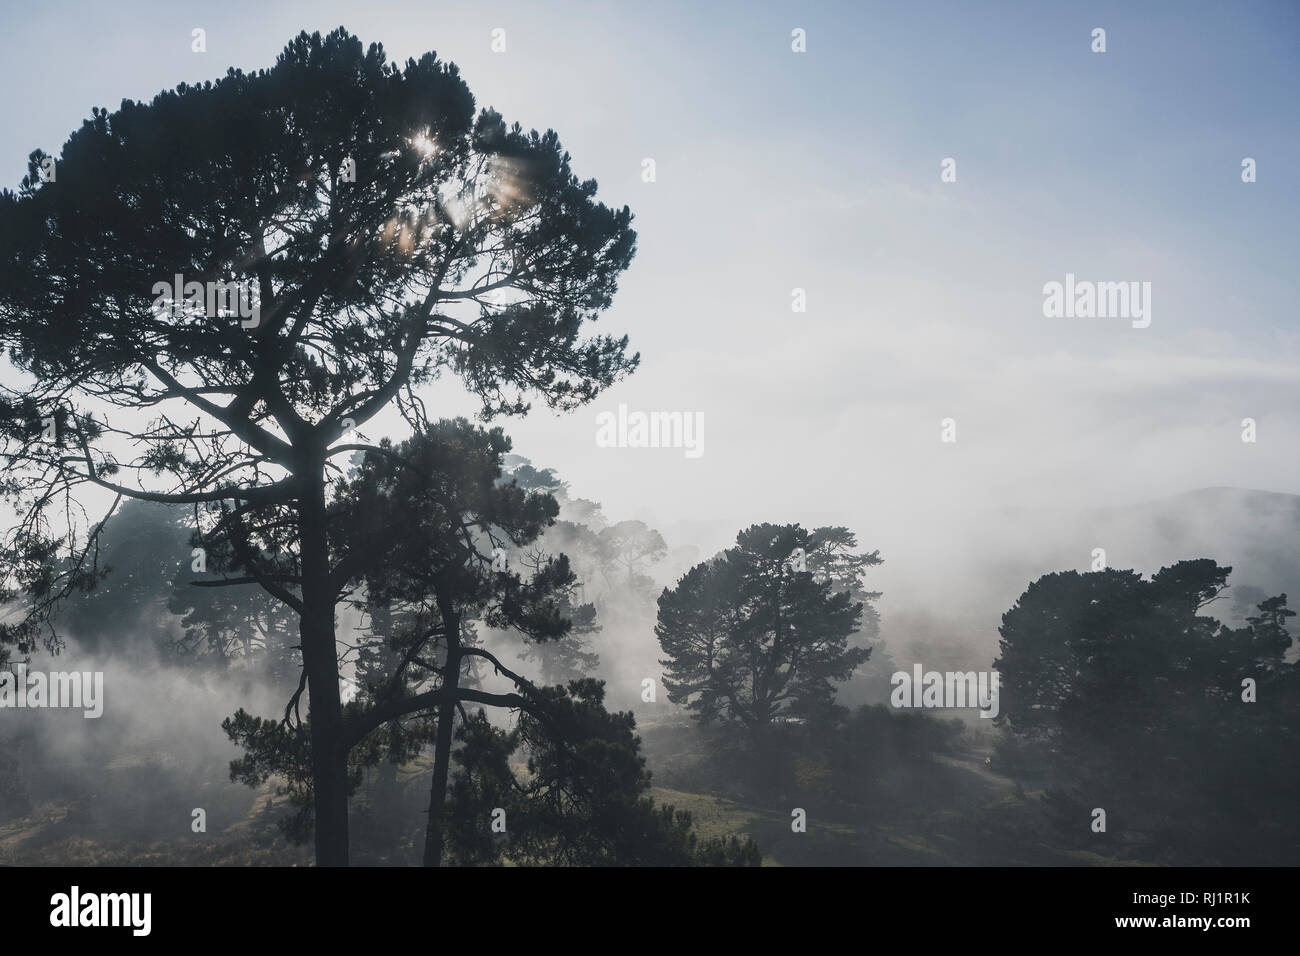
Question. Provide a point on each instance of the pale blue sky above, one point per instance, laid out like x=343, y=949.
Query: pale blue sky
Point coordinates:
x=821, y=170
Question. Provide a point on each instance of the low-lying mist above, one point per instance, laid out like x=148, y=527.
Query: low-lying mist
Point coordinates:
x=124, y=787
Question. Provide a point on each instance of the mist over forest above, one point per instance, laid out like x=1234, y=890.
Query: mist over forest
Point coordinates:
x=710, y=476
x=119, y=789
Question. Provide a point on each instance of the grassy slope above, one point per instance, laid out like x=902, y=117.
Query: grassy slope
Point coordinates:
x=956, y=812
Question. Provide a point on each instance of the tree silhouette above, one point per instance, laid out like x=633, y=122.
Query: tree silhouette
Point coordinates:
x=244, y=624
x=429, y=521
x=583, y=801
x=626, y=549
x=568, y=657
x=142, y=576
x=382, y=233
x=1121, y=694
x=755, y=634
x=139, y=561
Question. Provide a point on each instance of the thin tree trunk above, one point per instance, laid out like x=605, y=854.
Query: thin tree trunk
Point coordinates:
x=433, y=834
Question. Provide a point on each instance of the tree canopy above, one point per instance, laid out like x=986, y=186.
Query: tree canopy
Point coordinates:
x=382, y=231
x=761, y=632
x=1121, y=694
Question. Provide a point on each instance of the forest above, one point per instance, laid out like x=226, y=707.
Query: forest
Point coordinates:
x=334, y=624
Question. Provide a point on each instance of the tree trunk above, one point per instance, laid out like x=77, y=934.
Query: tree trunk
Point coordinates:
x=433, y=834
x=329, y=755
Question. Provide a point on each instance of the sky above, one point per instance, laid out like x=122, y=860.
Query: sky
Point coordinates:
x=820, y=171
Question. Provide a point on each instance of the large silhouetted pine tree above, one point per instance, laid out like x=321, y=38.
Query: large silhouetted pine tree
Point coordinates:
x=382, y=232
